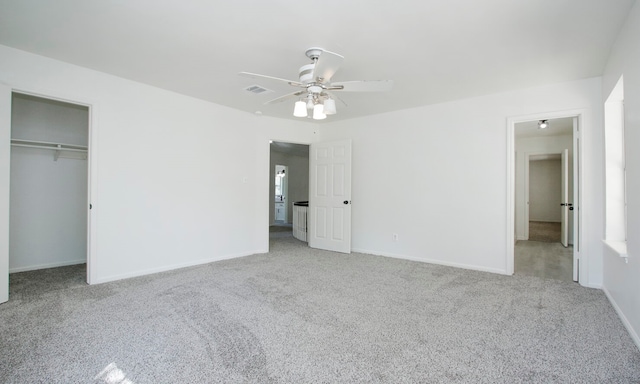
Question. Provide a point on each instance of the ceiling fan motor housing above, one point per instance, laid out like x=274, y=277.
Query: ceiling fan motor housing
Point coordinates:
x=306, y=73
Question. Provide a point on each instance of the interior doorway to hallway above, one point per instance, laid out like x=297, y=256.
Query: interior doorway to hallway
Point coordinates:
x=289, y=184
x=544, y=176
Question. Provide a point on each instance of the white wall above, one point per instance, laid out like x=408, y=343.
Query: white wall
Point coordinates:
x=297, y=179
x=157, y=161
x=622, y=280
x=531, y=146
x=545, y=184
x=437, y=176
x=48, y=213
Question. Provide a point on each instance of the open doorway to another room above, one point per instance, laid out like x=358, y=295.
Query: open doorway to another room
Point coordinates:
x=541, y=213
x=288, y=189
x=281, y=194
x=544, y=192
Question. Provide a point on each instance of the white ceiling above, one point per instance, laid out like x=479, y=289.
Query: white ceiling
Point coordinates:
x=435, y=51
x=557, y=127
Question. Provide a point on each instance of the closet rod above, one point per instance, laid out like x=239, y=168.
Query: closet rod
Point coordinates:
x=48, y=145
x=52, y=148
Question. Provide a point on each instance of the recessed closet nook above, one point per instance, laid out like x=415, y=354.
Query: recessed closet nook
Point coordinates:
x=48, y=184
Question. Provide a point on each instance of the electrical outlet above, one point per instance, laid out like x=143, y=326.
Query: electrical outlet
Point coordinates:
x=395, y=237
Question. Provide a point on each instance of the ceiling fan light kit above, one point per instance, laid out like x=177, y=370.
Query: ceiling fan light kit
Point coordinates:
x=300, y=109
x=315, y=81
x=318, y=113
x=329, y=107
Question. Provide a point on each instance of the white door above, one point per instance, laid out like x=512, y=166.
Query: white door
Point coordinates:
x=330, y=196
x=574, y=210
x=5, y=157
x=564, y=206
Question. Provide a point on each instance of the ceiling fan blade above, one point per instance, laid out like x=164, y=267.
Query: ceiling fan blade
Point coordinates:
x=256, y=75
x=365, y=85
x=286, y=97
x=327, y=64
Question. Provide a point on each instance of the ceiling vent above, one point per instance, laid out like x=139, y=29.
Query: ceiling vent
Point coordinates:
x=256, y=89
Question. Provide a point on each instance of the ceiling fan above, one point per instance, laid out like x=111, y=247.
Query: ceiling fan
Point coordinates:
x=317, y=91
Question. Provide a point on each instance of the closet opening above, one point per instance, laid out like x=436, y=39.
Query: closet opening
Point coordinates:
x=48, y=190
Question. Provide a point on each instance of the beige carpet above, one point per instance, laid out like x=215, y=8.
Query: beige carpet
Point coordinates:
x=544, y=231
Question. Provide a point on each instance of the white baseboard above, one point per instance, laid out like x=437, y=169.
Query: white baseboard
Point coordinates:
x=625, y=321
x=166, y=268
x=45, y=266
x=432, y=261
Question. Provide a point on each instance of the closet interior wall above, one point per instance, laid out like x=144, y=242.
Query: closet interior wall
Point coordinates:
x=48, y=183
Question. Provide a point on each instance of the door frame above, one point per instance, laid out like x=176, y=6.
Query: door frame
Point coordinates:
x=269, y=191
x=527, y=163
x=285, y=191
x=566, y=238
x=579, y=114
x=92, y=160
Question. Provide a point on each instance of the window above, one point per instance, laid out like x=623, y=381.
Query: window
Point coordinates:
x=615, y=171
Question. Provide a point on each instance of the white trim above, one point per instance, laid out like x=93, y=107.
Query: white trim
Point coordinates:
x=511, y=194
x=526, y=214
x=430, y=261
x=5, y=171
x=92, y=198
x=45, y=266
x=625, y=321
x=510, y=200
x=172, y=267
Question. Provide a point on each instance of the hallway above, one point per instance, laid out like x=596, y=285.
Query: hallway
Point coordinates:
x=544, y=259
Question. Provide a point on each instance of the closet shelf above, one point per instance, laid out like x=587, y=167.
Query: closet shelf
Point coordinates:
x=58, y=147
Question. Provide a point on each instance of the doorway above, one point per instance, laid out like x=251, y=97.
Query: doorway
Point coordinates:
x=543, y=197
x=281, y=194
x=543, y=235
x=288, y=184
x=49, y=185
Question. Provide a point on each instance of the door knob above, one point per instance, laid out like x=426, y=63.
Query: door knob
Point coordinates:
x=345, y=202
